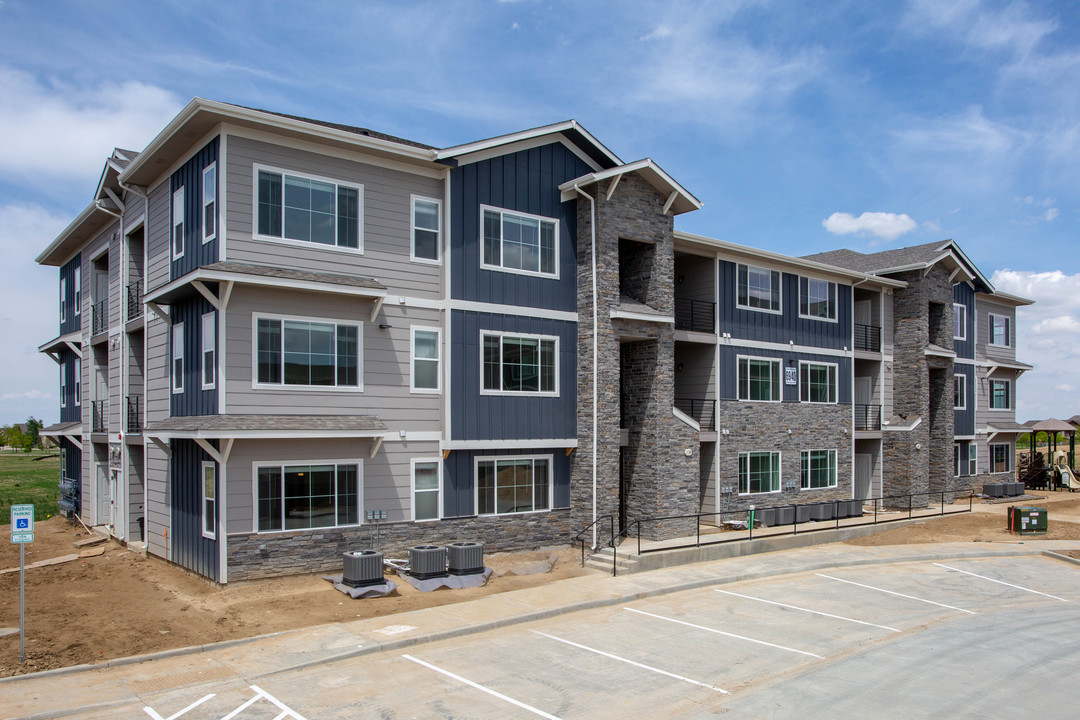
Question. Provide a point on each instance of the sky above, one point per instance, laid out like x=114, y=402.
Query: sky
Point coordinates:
x=802, y=126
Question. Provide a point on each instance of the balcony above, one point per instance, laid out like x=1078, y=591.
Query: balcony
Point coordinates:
x=703, y=411
x=867, y=417
x=99, y=420
x=695, y=315
x=100, y=317
x=134, y=300
x=867, y=337
x=134, y=413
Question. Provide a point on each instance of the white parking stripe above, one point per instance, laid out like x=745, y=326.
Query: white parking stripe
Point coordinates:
x=815, y=612
x=631, y=662
x=1002, y=582
x=154, y=714
x=721, y=632
x=890, y=592
x=489, y=691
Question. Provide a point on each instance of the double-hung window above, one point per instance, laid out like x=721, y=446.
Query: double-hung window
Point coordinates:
x=77, y=305
x=425, y=360
x=426, y=489
x=957, y=450
x=959, y=391
x=818, y=469
x=817, y=382
x=759, y=379
x=519, y=364
x=63, y=298
x=178, y=358
x=513, y=485
x=307, y=353
x=1000, y=458
x=209, y=345
x=209, y=498
x=426, y=226
x=519, y=243
x=178, y=223
x=308, y=209
x=758, y=288
x=817, y=299
x=959, y=321
x=63, y=384
x=973, y=459
x=759, y=472
x=314, y=495
x=999, y=330
x=209, y=202
x=78, y=381
x=1000, y=395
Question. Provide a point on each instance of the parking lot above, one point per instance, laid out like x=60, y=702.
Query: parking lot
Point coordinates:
x=962, y=637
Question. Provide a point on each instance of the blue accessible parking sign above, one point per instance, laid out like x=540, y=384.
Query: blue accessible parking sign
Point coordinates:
x=22, y=523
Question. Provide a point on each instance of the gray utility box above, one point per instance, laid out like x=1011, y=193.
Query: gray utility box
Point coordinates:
x=765, y=517
x=822, y=511
x=427, y=561
x=361, y=568
x=1017, y=488
x=785, y=515
x=465, y=558
x=843, y=508
x=994, y=490
x=855, y=508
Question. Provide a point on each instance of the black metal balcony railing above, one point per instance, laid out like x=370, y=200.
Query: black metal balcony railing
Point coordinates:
x=100, y=319
x=695, y=315
x=867, y=337
x=134, y=300
x=867, y=417
x=134, y=416
x=703, y=411
x=99, y=416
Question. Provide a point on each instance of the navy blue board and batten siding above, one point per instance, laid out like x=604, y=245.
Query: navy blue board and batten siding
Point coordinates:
x=69, y=411
x=193, y=400
x=71, y=321
x=785, y=327
x=189, y=176
x=73, y=471
x=459, y=473
x=728, y=388
x=964, y=420
x=964, y=294
x=189, y=548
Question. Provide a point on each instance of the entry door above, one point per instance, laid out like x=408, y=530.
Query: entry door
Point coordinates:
x=103, y=496
x=864, y=389
x=114, y=486
x=862, y=312
x=864, y=468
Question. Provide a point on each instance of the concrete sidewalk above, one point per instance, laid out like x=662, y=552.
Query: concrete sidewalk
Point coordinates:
x=67, y=691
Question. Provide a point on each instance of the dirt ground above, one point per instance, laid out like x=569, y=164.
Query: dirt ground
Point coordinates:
x=121, y=603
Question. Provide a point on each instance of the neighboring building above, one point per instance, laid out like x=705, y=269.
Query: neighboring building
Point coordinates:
x=291, y=330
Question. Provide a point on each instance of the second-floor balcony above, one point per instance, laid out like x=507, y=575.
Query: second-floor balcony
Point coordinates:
x=99, y=416
x=99, y=321
x=134, y=413
x=134, y=300
x=867, y=337
x=695, y=315
x=703, y=411
x=867, y=417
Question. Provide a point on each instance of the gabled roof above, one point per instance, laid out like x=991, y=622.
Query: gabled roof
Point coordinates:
x=92, y=220
x=679, y=199
x=570, y=129
x=916, y=257
x=348, y=128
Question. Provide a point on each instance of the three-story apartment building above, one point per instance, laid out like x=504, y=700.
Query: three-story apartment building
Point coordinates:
x=275, y=332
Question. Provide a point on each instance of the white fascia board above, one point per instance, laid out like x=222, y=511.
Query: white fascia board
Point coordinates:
x=646, y=166
x=967, y=261
x=80, y=219
x=205, y=275
x=479, y=145
x=617, y=314
x=61, y=342
x=510, y=444
x=262, y=434
x=1006, y=298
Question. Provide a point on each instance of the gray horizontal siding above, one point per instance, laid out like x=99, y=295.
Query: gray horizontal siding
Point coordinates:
x=964, y=420
x=984, y=350
x=158, y=499
x=157, y=237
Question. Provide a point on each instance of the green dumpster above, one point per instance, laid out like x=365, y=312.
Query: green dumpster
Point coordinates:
x=1027, y=520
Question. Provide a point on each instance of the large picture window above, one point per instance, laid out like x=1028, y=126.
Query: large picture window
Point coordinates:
x=759, y=379
x=999, y=330
x=1000, y=458
x=818, y=469
x=519, y=242
x=817, y=299
x=759, y=472
x=426, y=489
x=426, y=223
x=307, y=353
x=297, y=497
x=1000, y=395
x=307, y=209
x=519, y=364
x=817, y=382
x=512, y=485
x=759, y=288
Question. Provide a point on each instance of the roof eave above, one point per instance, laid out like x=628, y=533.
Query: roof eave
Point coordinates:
x=554, y=128
x=59, y=250
x=684, y=201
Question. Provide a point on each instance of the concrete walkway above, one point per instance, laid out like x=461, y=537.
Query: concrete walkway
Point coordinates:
x=92, y=690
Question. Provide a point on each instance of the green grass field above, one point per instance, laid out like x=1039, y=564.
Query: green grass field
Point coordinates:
x=29, y=478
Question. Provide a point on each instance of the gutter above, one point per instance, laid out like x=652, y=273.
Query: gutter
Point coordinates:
x=595, y=352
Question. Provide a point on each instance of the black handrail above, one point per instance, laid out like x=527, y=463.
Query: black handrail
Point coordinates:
x=99, y=416
x=703, y=411
x=580, y=537
x=134, y=300
x=134, y=417
x=867, y=337
x=99, y=317
x=695, y=315
x=867, y=417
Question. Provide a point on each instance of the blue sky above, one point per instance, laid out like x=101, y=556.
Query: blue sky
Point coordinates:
x=803, y=127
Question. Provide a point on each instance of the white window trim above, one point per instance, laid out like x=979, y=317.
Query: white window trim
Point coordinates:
x=202, y=498
x=779, y=480
x=835, y=466
x=973, y=459
x=476, y=484
x=78, y=381
x=835, y=298
x=960, y=402
x=960, y=310
x=836, y=377
x=77, y=300
x=208, y=348
x=990, y=330
x=516, y=271
x=438, y=491
x=281, y=465
x=178, y=199
x=177, y=343
x=779, y=378
x=990, y=395
x=438, y=230
x=438, y=361
x=256, y=385
x=780, y=294
x=212, y=167
x=1010, y=455
x=63, y=299
x=358, y=250
x=518, y=393
x=957, y=459
x=63, y=384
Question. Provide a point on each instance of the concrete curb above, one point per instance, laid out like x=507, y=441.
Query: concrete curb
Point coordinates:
x=1059, y=556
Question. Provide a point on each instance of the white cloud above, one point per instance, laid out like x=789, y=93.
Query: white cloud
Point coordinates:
x=67, y=131
x=1009, y=28
x=34, y=394
x=1051, y=214
x=1057, y=325
x=971, y=134
x=885, y=225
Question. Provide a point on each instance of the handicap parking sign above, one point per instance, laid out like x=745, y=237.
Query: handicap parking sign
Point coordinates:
x=22, y=524
x=22, y=518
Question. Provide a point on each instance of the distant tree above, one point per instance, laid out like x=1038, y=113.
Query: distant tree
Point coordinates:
x=16, y=438
x=33, y=430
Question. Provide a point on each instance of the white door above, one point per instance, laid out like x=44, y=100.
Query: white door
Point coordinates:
x=101, y=517
x=114, y=486
x=862, y=312
x=864, y=467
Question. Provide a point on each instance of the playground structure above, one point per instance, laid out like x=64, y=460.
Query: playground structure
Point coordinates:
x=1060, y=474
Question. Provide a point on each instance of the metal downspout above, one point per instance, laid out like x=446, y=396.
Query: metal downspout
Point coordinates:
x=595, y=353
